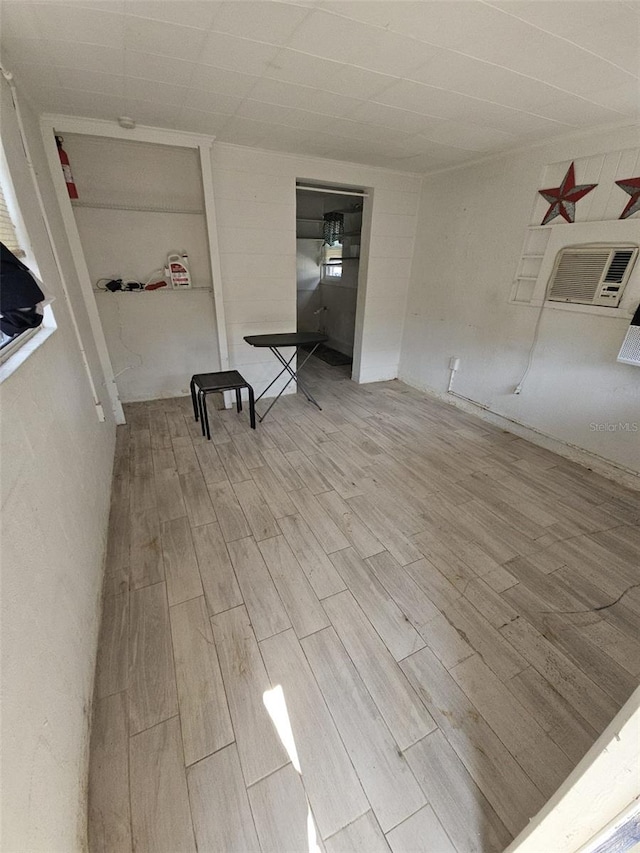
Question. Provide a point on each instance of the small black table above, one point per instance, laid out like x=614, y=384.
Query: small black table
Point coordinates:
x=277, y=342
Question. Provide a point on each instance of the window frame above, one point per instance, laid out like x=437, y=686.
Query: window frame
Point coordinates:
x=331, y=253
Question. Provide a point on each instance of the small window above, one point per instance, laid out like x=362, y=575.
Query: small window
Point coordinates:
x=332, y=261
x=8, y=234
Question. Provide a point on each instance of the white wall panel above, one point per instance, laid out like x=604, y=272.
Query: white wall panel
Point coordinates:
x=158, y=340
x=56, y=481
x=266, y=182
x=471, y=227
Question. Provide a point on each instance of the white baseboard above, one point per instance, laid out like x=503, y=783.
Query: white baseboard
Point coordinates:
x=619, y=474
x=378, y=374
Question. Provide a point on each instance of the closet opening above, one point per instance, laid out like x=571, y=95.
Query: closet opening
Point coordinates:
x=141, y=227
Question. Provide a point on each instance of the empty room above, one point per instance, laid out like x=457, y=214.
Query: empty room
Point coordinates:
x=320, y=426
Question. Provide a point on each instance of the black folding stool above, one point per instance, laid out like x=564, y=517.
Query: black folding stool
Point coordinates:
x=209, y=383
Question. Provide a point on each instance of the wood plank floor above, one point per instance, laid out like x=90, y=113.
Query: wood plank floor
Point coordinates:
x=382, y=626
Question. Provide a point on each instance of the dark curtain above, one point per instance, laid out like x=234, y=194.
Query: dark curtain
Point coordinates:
x=19, y=295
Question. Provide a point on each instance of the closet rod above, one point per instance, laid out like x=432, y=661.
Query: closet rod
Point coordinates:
x=332, y=191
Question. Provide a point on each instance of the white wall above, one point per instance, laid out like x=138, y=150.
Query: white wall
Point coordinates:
x=309, y=212
x=55, y=485
x=156, y=340
x=340, y=296
x=308, y=254
x=256, y=206
x=471, y=228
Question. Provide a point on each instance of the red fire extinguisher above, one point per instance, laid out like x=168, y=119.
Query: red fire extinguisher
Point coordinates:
x=66, y=169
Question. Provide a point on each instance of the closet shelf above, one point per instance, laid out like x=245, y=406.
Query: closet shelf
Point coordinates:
x=199, y=288
x=141, y=208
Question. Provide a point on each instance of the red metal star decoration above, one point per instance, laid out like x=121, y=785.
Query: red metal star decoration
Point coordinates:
x=563, y=198
x=632, y=187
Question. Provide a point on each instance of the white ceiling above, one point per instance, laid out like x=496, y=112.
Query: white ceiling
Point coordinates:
x=409, y=85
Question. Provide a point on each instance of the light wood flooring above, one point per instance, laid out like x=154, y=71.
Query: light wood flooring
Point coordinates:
x=375, y=627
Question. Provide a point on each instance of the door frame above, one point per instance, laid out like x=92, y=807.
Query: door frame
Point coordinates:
x=596, y=794
x=363, y=276
x=367, y=195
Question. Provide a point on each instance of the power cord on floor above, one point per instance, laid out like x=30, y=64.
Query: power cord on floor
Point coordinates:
x=594, y=609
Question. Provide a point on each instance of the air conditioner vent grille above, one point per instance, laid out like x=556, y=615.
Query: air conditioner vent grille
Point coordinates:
x=618, y=266
x=578, y=275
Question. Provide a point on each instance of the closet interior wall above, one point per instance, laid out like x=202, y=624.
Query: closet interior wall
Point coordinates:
x=139, y=202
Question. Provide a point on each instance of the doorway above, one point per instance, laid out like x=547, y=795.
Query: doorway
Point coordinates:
x=328, y=243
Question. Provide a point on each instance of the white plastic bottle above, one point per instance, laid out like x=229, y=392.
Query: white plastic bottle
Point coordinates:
x=179, y=271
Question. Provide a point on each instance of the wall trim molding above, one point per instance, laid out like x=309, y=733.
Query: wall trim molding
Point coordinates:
x=140, y=133
x=579, y=133
x=322, y=160
x=618, y=473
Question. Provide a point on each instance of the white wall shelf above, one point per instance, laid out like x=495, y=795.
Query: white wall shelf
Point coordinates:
x=149, y=292
x=141, y=208
x=531, y=258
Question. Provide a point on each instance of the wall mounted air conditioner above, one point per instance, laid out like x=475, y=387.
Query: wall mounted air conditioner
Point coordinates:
x=630, y=349
x=591, y=274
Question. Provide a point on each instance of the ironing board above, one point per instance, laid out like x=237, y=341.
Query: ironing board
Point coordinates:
x=282, y=341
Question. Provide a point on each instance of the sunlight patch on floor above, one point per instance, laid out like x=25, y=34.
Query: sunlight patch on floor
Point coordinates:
x=276, y=705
